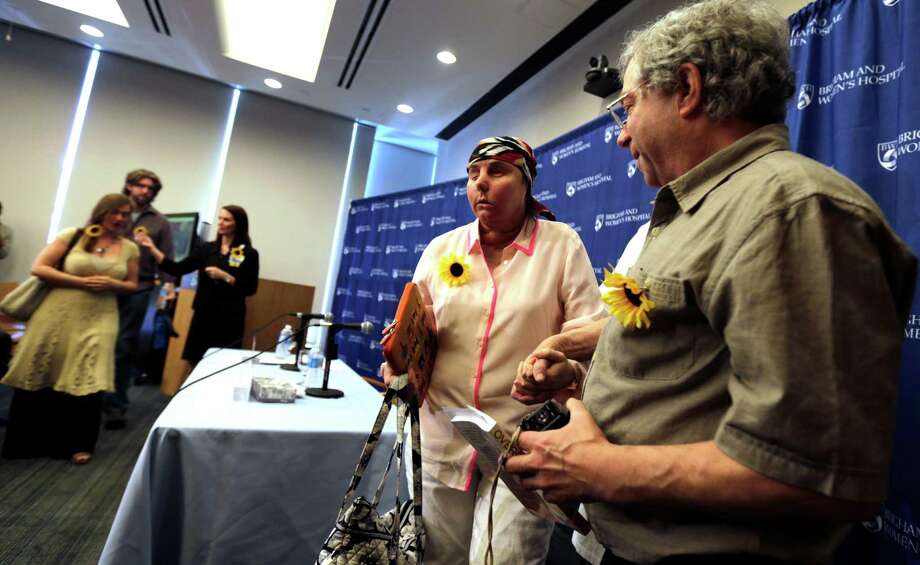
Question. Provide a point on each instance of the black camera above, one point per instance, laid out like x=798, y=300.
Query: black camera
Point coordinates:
x=601, y=80
x=550, y=416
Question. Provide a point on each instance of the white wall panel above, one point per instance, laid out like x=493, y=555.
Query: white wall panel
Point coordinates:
x=286, y=167
x=144, y=116
x=40, y=79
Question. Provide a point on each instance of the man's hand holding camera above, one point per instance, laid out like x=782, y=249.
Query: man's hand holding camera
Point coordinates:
x=561, y=462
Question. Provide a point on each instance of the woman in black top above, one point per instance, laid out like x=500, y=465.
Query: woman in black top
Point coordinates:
x=228, y=272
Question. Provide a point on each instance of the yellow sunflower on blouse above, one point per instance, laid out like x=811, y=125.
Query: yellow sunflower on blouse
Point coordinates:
x=237, y=252
x=628, y=301
x=454, y=270
x=94, y=230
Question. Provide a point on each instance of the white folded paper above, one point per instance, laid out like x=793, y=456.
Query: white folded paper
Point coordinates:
x=482, y=432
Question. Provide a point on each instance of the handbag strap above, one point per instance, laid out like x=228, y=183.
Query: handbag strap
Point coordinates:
x=395, y=452
x=409, y=406
x=372, y=439
x=416, y=464
x=398, y=449
x=73, y=241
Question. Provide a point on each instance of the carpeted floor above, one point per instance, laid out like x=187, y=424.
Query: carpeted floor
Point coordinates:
x=56, y=512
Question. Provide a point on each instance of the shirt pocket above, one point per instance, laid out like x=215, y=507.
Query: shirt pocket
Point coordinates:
x=666, y=350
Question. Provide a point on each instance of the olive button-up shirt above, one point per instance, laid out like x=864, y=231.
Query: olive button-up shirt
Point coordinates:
x=780, y=297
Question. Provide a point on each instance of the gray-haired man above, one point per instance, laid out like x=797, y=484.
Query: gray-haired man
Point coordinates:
x=740, y=425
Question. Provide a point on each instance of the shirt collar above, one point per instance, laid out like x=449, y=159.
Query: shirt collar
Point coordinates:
x=526, y=240
x=148, y=209
x=690, y=188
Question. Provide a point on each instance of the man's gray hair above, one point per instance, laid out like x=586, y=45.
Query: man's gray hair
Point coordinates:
x=741, y=49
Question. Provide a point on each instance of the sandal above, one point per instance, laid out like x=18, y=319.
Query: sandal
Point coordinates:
x=81, y=458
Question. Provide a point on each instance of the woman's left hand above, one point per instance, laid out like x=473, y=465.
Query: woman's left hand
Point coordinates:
x=215, y=272
x=218, y=273
x=141, y=238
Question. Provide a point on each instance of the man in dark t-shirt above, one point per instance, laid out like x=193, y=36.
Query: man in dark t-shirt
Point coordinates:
x=142, y=186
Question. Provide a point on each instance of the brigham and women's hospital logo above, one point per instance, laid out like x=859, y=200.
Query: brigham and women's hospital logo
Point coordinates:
x=888, y=155
x=806, y=93
x=611, y=133
x=864, y=75
x=820, y=26
x=907, y=142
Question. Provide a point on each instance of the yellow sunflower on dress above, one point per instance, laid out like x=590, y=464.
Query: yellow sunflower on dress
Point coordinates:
x=94, y=230
x=628, y=301
x=236, y=256
x=454, y=270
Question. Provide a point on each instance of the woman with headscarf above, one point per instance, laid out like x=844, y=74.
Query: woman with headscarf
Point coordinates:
x=66, y=359
x=497, y=287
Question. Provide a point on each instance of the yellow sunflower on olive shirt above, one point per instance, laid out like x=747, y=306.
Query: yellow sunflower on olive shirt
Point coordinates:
x=628, y=301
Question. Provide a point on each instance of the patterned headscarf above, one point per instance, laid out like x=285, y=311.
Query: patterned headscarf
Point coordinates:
x=510, y=149
x=516, y=151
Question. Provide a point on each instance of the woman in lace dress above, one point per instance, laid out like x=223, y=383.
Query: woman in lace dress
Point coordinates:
x=66, y=359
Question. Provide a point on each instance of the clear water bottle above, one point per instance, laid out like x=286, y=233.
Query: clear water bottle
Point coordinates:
x=283, y=346
x=162, y=295
x=314, y=372
x=303, y=364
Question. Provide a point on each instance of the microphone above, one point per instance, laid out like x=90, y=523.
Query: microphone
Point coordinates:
x=325, y=316
x=363, y=327
x=304, y=318
x=332, y=352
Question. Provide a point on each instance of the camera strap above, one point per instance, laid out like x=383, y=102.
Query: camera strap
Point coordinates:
x=512, y=447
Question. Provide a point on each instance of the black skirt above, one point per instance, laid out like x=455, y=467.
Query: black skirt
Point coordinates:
x=49, y=423
x=213, y=328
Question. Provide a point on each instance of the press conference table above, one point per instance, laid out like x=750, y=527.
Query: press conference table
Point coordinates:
x=227, y=481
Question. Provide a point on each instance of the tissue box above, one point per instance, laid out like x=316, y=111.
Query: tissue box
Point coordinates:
x=270, y=389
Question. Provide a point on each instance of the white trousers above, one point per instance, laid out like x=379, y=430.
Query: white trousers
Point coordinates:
x=456, y=523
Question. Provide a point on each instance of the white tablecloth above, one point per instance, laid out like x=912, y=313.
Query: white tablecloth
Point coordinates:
x=223, y=481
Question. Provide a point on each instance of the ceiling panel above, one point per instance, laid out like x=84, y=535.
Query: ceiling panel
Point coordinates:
x=489, y=37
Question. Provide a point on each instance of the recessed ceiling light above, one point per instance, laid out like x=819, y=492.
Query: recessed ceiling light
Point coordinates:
x=283, y=36
x=91, y=30
x=405, y=108
x=272, y=83
x=447, y=57
x=105, y=10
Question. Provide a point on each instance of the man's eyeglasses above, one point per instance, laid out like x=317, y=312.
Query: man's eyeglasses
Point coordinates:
x=139, y=185
x=618, y=111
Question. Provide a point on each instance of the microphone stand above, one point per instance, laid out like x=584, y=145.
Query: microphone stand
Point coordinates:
x=331, y=352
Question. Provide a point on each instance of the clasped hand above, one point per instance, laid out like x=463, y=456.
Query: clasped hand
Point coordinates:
x=99, y=283
x=545, y=374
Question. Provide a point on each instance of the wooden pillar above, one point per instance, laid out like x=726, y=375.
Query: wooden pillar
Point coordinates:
x=175, y=369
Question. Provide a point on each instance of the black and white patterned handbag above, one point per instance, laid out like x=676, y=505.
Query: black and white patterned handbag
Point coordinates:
x=363, y=536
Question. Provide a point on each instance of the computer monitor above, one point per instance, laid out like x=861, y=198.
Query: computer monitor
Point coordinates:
x=184, y=231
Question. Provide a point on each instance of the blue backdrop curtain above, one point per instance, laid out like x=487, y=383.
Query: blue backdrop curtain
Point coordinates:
x=857, y=109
